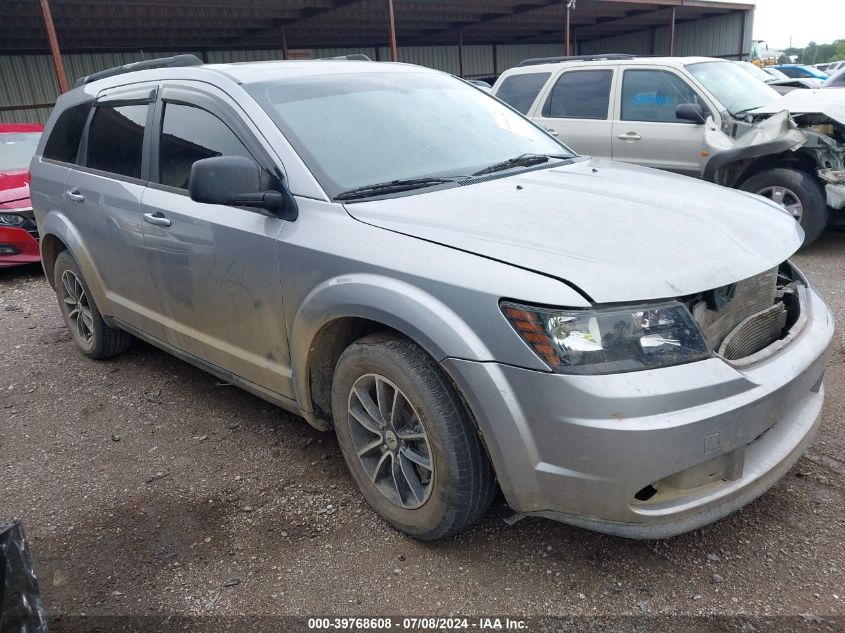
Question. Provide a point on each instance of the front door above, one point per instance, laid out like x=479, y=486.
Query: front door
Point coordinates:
x=647, y=132
x=216, y=267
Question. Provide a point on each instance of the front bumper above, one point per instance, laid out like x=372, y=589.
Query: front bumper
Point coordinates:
x=694, y=442
x=18, y=246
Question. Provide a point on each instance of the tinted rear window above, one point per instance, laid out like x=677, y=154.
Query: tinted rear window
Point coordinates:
x=116, y=139
x=580, y=94
x=519, y=91
x=63, y=143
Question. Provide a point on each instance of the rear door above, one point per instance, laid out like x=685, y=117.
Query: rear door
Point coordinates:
x=646, y=130
x=103, y=202
x=216, y=267
x=577, y=106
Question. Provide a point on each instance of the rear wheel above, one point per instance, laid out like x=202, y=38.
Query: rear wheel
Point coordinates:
x=87, y=328
x=408, y=439
x=798, y=192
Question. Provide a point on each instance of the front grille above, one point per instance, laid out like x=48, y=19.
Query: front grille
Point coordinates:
x=750, y=297
x=34, y=234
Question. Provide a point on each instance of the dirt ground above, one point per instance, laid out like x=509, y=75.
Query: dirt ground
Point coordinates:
x=146, y=486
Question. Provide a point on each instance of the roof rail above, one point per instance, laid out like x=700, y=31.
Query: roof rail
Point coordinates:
x=575, y=58
x=178, y=61
x=354, y=57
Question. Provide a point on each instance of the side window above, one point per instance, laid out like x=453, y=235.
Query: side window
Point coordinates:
x=519, y=91
x=63, y=142
x=580, y=94
x=189, y=134
x=116, y=139
x=654, y=95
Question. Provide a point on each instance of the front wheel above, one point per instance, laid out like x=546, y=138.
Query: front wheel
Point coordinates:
x=408, y=439
x=798, y=192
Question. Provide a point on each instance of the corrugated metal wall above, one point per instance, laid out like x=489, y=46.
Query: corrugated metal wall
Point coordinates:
x=31, y=80
x=719, y=36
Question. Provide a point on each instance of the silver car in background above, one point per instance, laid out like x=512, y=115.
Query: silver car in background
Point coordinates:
x=389, y=252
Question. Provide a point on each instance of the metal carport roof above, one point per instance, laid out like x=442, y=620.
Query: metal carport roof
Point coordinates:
x=97, y=25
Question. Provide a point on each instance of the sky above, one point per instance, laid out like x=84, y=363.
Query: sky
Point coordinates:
x=821, y=21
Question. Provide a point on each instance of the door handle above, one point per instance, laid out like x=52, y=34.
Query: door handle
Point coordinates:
x=157, y=219
x=629, y=136
x=73, y=194
x=552, y=131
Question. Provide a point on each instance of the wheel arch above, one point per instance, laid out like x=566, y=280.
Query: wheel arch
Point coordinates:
x=340, y=311
x=734, y=167
x=51, y=247
x=59, y=235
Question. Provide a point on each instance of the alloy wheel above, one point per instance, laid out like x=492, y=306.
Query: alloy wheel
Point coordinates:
x=77, y=307
x=785, y=198
x=390, y=441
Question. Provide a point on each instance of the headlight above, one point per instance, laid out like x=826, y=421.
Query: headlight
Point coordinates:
x=11, y=219
x=611, y=340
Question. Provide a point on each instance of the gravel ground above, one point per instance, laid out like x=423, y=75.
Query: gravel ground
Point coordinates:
x=147, y=486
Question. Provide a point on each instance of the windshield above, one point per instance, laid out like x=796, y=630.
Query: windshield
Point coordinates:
x=732, y=86
x=17, y=149
x=756, y=71
x=774, y=72
x=354, y=130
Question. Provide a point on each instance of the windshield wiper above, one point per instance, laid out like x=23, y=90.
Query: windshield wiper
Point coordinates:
x=523, y=160
x=745, y=110
x=393, y=186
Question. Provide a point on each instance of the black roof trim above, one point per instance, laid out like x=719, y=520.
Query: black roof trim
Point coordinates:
x=178, y=61
x=575, y=58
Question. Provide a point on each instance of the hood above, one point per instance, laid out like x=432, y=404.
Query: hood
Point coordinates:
x=617, y=232
x=826, y=102
x=14, y=189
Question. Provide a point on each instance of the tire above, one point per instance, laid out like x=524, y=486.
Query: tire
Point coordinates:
x=87, y=328
x=800, y=185
x=459, y=485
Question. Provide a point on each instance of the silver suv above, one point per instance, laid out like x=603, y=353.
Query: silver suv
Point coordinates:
x=390, y=252
x=697, y=116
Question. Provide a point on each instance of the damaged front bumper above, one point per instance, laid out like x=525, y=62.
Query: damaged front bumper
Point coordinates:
x=654, y=453
x=834, y=187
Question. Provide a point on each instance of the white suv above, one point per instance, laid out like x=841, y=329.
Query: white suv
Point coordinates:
x=697, y=116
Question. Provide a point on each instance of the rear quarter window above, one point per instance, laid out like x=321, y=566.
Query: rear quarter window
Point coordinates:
x=63, y=143
x=520, y=91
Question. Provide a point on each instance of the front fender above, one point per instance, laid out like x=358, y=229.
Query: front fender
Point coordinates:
x=55, y=223
x=396, y=304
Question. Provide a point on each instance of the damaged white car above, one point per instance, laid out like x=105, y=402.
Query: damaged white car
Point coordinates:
x=697, y=116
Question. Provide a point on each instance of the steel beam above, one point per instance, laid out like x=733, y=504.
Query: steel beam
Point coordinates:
x=54, y=46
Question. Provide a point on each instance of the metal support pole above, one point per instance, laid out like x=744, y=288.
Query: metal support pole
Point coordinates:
x=672, y=34
x=54, y=45
x=568, y=44
x=284, y=43
x=461, y=53
x=742, y=35
x=391, y=17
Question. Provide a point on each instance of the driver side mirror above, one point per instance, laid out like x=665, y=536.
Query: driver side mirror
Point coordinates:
x=238, y=181
x=691, y=112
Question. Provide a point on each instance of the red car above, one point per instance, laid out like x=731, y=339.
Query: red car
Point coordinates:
x=18, y=232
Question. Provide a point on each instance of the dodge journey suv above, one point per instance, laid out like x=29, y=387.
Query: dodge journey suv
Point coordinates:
x=391, y=253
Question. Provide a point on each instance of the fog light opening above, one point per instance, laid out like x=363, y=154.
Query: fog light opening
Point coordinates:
x=646, y=493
